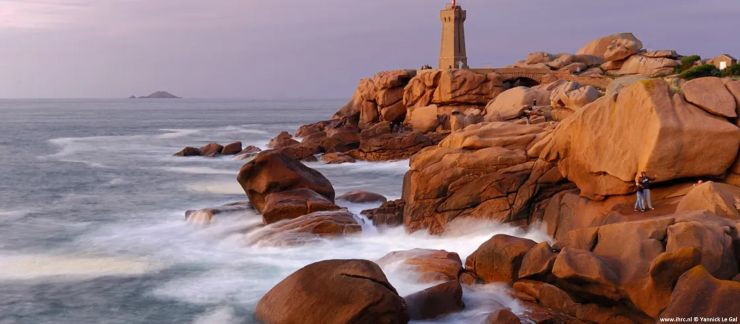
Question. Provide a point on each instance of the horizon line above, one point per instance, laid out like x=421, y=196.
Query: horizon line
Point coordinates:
x=168, y=99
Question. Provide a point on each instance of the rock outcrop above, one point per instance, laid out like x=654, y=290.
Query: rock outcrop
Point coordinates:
x=614, y=47
x=563, y=153
x=718, y=198
x=648, y=66
x=659, y=133
x=637, y=262
x=380, y=143
x=379, y=98
x=487, y=171
x=512, y=103
x=499, y=259
x=711, y=95
x=698, y=294
x=277, y=184
x=571, y=95
x=334, y=291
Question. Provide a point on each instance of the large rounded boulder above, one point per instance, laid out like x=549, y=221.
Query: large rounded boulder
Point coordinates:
x=499, y=259
x=698, y=293
x=718, y=198
x=613, y=47
x=644, y=127
x=334, y=291
x=512, y=103
x=273, y=172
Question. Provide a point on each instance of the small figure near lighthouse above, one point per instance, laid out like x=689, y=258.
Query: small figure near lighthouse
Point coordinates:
x=452, y=52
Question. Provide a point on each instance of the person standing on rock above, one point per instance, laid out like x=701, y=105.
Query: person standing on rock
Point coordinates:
x=644, y=183
x=639, y=203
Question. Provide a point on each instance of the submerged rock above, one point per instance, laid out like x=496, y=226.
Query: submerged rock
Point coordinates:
x=189, y=151
x=306, y=228
x=293, y=203
x=503, y=316
x=200, y=217
x=334, y=291
x=430, y=265
x=337, y=158
x=389, y=213
x=232, y=148
x=435, y=301
x=211, y=149
x=284, y=139
x=361, y=197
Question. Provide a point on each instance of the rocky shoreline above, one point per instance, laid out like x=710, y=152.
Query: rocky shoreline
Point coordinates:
x=557, y=149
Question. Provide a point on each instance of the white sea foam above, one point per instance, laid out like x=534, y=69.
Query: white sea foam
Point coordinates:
x=178, y=132
x=390, y=167
x=36, y=266
x=244, y=273
x=229, y=187
x=13, y=215
x=199, y=170
x=219, y=315
x=231, y=272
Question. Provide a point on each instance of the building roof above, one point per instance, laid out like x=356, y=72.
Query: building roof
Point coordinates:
x=726, y=56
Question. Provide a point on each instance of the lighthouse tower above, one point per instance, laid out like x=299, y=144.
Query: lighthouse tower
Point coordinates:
x=452, y=53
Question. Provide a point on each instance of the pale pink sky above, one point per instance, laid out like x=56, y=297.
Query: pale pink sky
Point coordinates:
x=308, y=49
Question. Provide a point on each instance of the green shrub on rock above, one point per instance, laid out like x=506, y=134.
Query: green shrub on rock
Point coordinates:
x=732, y=70
x=704, y=70
x=687, y=62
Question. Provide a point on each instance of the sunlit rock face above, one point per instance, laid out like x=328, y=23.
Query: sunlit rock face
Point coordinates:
x=487, y=171
x=645, y=127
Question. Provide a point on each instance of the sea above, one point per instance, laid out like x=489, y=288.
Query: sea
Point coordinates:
x=93, y=202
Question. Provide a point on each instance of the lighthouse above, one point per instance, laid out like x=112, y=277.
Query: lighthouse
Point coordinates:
x=452, y=50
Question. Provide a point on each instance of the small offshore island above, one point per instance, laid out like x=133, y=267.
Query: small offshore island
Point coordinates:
x=157, y=95
x=554, y=141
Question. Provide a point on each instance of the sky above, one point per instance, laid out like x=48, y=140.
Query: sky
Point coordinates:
x=293, y=49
